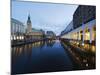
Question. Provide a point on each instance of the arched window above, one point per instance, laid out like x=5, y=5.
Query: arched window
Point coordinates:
x=87, y=34
x=94, y=33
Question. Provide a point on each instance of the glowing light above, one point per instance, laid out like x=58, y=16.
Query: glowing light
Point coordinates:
x=87, y=34
x=77, y=43
x=14, y=37
x=17, y=37
x=82, y=44
x=20, y=37
x=87, y=64
x=93, y=48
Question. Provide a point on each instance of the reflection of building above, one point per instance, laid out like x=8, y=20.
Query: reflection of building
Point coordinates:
x=17, y=30
x=50, y=34
x=84, y=23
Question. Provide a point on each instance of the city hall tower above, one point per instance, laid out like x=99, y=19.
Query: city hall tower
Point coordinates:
x=29, y=25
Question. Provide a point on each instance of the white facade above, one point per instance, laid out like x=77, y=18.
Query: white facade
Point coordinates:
x=17, y=29
x=17, y=26
x=68, y=28
x=76, y=33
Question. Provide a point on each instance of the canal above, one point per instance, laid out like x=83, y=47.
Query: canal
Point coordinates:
x=49, y=56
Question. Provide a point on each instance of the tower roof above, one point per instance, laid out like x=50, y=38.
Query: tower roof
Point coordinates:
x=29, y=17
x=29, y=20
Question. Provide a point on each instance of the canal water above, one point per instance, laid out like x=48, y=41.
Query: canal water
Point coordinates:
x=48, y=56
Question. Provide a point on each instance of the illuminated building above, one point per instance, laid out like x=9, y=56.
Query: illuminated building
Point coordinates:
x=17, y=30
x=83, y=14
x=84, y=28
x=32, y=33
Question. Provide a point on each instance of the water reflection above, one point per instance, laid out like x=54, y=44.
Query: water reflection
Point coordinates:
x=50, y=43
x=82, y=59
x=26, y=50
x=49, y=56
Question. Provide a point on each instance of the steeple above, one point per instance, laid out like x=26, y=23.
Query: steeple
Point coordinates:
x=29, y=20
x=29, y=24
x=29, y=17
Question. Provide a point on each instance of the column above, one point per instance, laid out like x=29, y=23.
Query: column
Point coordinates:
x=91, y=34
x=83, y=35
x=83, y=29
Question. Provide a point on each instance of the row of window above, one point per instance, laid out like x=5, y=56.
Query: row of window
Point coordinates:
x=82, y=35
x=17, y=28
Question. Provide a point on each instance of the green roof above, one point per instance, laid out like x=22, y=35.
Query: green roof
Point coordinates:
x=35, y=30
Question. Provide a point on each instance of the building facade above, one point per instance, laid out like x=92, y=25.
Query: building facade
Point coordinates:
x=50, y=35
x=33, y=34
x=17, y=30
x=84, y=28
x=68, y=28
x=83, y=14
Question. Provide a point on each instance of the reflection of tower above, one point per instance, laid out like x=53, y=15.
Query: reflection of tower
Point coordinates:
x=29, y=25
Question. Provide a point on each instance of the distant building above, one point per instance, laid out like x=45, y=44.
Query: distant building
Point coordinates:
x=68, y=28
x=32, y=33
x=50, y=35
x=29, y=25
x=83, y=14
x=17, y=29
x=37, y=34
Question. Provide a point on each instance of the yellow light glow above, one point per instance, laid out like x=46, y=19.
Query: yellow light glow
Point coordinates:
x=93, y=48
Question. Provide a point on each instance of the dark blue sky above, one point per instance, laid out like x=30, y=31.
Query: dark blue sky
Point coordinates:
x=46, y=16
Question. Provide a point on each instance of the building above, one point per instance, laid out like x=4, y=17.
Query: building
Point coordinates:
x=38, y=34
x=32, y=33
x=84, y=28
x=68, y=28
x=83, y=14
x=29, y=25
x=17, y=30
x=50, y=35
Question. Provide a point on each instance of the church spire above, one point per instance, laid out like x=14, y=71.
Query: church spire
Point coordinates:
x=29, y=24
x=29, y=20
x=29, y=17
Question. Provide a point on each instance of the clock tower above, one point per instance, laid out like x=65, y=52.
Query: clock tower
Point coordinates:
x=29, y=25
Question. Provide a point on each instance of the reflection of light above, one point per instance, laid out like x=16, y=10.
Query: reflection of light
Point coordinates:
x=84, y=60
x=87, y=64
x=77, y=58
x=20, y=50
x=57, y=40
